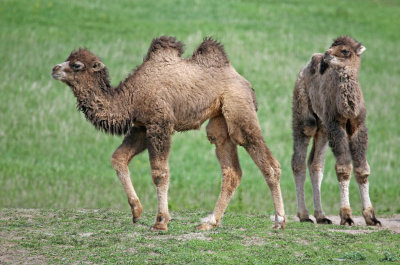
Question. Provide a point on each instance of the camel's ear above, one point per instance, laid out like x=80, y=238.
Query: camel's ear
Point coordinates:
x=361, y=50
x=97, y=66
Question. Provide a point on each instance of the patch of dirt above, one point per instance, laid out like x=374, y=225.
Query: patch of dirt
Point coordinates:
x=185, y=237
x=391, y=223
x=85, y=234
x=254, y=241
x=9, y=254
x=353, y=232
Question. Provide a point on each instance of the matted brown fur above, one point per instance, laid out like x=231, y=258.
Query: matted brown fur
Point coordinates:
x=168, y=93
x=329, y=107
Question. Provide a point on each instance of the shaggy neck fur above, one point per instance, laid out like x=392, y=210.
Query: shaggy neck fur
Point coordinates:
x=104, y=106
x=349, y=94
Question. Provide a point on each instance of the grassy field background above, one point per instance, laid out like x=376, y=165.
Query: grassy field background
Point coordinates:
x=52, y=158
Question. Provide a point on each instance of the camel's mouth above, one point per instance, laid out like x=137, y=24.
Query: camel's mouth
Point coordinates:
x=333, y=61
x=56, y=76
x=327, y=58
x=58, y=71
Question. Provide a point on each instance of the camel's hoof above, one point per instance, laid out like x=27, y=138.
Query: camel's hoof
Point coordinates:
x=348, y=221
x=206, y=226
x=161, y=224
x=159, y=227
x=136, y=215
x=306, y=220
x=324, y=220
x=373, y=222
x=346, y=216
x=136, y=208
x=370, y=218
x=279, y=226
x=280, y=222
x=135, y=219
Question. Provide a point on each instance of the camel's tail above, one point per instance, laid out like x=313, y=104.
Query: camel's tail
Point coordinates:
x=164, y=46
x=210, y=53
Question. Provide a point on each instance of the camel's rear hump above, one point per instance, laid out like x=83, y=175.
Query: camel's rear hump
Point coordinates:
x=211, y=53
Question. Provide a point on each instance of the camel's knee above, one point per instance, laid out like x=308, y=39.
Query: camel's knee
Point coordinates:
x=273, y=176
x=362, y=173
x=298, y=165
x=160, y=176
x=315, y=167
x=343, y=171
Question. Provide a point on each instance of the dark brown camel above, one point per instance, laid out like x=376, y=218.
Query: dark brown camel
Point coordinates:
x=328, y=106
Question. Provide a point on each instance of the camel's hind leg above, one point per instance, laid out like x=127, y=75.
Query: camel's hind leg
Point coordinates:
x=226, y=150
x=316, y=169
x=304, y=126
x=298, y=164
x=269, y=166
x=133, y=144
x=358, y=149
x=245, y=131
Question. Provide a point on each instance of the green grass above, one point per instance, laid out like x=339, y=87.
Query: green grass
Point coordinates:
x=52, y=158
x=108, y=237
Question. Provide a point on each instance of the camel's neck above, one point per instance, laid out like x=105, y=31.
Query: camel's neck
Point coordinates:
x=107, y=108
x=347, y=74
x=348, y=80
x=349, y=97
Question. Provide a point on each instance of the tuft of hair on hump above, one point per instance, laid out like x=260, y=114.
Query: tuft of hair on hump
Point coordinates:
x=347, y=41
x=164, y=43
x=210, y=53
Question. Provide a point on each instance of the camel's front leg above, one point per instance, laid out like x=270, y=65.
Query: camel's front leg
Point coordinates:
x=158, y=144
x=339, y=143
x=358, y=148
x=133, y=144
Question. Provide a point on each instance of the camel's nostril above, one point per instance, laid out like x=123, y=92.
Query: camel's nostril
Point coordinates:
x=57, y=67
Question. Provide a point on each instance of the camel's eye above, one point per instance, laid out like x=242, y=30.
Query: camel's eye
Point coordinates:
x=77, y=66
x=345, y=52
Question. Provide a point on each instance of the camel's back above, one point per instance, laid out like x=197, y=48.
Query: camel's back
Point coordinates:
x=189, y=89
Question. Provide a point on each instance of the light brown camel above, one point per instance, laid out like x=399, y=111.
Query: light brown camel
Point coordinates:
x=168, y=93
x=328, y=106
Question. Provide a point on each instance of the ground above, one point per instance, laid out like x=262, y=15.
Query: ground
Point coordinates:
x=389, y=222
x=41, y=236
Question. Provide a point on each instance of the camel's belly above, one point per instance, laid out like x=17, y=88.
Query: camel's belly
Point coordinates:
x=192, y=120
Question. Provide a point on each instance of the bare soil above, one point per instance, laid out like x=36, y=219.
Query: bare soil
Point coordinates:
x=389, y=222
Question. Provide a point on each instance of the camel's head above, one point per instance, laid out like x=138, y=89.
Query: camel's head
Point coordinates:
x=344, y=51
x=80, y=65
